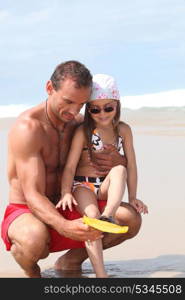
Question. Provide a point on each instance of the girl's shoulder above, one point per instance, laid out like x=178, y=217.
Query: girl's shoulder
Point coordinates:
x=80, y=127
x=124, y=129
x=80, y=131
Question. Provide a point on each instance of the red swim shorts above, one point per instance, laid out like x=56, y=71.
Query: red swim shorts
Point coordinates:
x=57, y=242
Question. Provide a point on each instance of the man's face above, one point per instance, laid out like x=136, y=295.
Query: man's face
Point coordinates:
x=68, y=100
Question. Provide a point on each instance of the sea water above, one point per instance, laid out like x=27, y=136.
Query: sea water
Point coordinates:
x=162, y=266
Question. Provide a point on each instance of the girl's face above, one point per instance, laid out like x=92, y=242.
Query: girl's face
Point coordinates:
x=103, y=111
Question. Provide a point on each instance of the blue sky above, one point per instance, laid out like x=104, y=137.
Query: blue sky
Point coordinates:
x=140, y=42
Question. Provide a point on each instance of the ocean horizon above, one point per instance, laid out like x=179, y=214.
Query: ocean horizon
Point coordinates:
x=14, y=110
x=168, y=100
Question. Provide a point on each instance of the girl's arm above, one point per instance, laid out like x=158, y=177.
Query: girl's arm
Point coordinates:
x=126, y=133
x=72, y=161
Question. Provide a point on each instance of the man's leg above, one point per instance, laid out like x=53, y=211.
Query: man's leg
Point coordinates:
x=125, y=215
x=30, y=242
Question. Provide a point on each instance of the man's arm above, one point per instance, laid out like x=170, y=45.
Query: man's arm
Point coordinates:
x=25, y=143
x=107, y=159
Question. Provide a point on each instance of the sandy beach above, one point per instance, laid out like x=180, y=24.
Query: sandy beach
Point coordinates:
x=159, y=248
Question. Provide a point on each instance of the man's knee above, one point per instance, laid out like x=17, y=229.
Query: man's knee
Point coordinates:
x=93, y=212
x=34, y=242
x=134, y=226
x=127, y=215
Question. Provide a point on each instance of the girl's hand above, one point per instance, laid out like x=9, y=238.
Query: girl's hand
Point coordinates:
x=139, y=205
x=67, y=201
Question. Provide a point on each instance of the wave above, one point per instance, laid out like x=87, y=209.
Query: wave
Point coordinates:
x=174, y=98
x=168, y=101
x=12, y=110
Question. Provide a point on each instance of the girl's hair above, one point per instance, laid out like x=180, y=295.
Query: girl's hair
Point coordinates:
x=89, y=125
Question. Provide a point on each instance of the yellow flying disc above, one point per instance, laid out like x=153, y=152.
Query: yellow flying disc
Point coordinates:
x=104, y=225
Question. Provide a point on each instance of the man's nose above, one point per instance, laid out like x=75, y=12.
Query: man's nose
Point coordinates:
x=75, y=109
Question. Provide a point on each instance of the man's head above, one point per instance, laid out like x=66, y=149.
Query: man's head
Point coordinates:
x=74, y=70
x=68, y=89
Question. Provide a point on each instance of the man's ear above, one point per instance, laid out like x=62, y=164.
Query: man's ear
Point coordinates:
x=49, y=88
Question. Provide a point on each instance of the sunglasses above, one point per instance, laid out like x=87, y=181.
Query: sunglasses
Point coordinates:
x=106, y=109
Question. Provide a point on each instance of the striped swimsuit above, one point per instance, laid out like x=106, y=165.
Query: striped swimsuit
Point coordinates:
x=93, y=183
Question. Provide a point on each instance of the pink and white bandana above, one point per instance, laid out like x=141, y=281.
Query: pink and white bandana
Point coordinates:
x=104, y=87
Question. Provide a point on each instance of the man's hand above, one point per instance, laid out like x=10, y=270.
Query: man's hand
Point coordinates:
x=77, y=230
x=139, y=205
x=108, y=158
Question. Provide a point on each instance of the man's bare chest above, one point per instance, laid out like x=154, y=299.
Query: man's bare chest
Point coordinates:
x=55, y=150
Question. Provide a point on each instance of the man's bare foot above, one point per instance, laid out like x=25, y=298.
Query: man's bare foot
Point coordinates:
x=66, y=264
x=33, y=272
x=72, y=260
x=102, y=276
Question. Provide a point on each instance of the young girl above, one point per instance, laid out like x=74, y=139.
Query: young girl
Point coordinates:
x=80, y=184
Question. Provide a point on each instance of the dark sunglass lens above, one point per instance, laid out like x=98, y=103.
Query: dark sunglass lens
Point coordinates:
x=108, y=109
x=94, y=110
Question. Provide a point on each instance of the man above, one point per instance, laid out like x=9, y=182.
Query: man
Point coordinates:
x=38, y=146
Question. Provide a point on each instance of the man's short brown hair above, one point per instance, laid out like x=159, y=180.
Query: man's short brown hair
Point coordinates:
x=74, y=70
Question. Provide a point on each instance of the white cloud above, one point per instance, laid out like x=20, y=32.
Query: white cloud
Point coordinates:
x=31, y=18
x=37, y=17
x=103, y=35
x=149, y=21
x=4, y=16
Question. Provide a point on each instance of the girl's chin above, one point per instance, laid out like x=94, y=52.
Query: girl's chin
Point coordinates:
x=104, y=122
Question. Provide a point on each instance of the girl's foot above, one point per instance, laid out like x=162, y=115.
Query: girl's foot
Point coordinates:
x=107, y=219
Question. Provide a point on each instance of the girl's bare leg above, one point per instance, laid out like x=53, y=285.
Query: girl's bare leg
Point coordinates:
x=125, y=215
x=113, y=188
x=87, y=204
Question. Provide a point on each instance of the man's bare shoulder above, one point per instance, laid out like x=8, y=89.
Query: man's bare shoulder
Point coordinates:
x=26, y=133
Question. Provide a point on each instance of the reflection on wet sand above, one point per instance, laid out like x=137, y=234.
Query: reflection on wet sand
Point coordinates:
x=162, y=266
x=52, y=273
